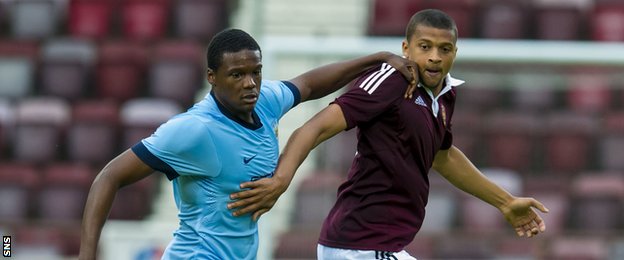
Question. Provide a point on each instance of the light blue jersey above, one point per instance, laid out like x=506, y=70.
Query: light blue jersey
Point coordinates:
x=208, y=153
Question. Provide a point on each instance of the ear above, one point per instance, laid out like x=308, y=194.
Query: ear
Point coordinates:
x=405, y=48
x=210, y=76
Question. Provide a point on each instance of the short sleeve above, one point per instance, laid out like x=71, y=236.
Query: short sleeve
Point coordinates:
x=278, y=97
x=182, y=146
x=371, y=95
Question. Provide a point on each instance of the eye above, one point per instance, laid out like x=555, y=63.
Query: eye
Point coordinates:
x=424, y=46
x=236, y=75
x=446, y=49
x=257, y=73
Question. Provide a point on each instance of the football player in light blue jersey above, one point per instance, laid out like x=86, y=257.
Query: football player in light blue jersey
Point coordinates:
x=226, y=139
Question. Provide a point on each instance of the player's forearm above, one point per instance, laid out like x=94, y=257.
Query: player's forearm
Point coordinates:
x=99, y=202
x=299, y=145
x=458, y=170
x=327, y=79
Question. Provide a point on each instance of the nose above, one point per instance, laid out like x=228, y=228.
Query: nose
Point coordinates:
x=249, y=82
x=434, y=57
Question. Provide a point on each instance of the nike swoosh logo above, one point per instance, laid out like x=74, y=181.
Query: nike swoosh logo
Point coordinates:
x=247, y=160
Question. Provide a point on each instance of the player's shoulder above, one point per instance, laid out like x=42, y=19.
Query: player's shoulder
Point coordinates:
x=382, y=80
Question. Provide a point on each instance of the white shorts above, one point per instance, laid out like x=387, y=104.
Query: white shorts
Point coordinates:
x=331, y=253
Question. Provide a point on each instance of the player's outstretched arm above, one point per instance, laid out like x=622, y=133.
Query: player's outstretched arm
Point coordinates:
x=326, y=79
x=453, y=165
x=263, y=193
x=125, y=169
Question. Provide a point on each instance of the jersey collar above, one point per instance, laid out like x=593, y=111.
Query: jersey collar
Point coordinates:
x=256, y=125
x=449, y=83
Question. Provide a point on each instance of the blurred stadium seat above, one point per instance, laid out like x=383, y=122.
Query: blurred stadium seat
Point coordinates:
x=569, y=142
x=17, y=185
x=297, y=243
x=66, y=66
x=176, y=71
x=134, y=202
x=140, y=118
x=200, y=19
x=442, y=207
x=7, y=123
x=18, y=63
x=511, y=139
x=34, y=19
x=40, y=125
x=93, y=134
x=390, y=19
x=589, y=91
x=559, y=21
x=504, y=19
x=598, y=206
x=315, y=197
x=586, y=247
x=611, y=145
x=63, y=191
x=554, y=193
x=464, y=246
x=121, y=69
x=145, y=20
x=607, y=21
x=89, y=18
x=478, y=217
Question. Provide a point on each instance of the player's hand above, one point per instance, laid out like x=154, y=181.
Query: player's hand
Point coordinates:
x=259, y=197
x=521, y=215
x=408, y=68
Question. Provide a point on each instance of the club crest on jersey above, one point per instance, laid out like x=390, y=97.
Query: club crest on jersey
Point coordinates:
x=443, y=112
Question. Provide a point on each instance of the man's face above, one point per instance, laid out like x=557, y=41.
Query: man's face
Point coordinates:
x=434, y=51
x=236, y=83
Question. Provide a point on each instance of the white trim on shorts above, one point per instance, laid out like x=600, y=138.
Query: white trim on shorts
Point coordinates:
x=331, y=253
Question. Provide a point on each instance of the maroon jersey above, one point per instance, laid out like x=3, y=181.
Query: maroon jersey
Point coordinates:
x=381, y=206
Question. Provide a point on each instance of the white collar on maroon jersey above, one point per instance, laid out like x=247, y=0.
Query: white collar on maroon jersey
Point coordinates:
x=449, y=83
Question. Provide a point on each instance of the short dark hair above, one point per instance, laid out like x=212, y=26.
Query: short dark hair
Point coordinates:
x=430, y=17
x=229, y=40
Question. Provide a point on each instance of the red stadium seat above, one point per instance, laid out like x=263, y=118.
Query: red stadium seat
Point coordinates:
x=121, y=70
x=40, y=124
x=607, y=21
x=200, y=19
x=176, y=71
x=315, y=197
x=589, y=91
x=297, y=243
x=504, y=20
x=145, y=20
x=17, y=185
x=93, y=134
x=598, y=207
x=586, y=247
x=510, y=140
x=569, y=140
x=134, y=202
x=559, y=23
x=389, y=18
x=553, y=192
x=90, y=18
x=64, y=191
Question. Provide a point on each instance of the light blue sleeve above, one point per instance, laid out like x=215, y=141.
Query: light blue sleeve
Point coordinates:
x=185, y=144
x=278, y=97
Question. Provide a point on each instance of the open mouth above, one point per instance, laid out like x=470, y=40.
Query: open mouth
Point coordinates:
x=433, y=72
x=250, y=98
